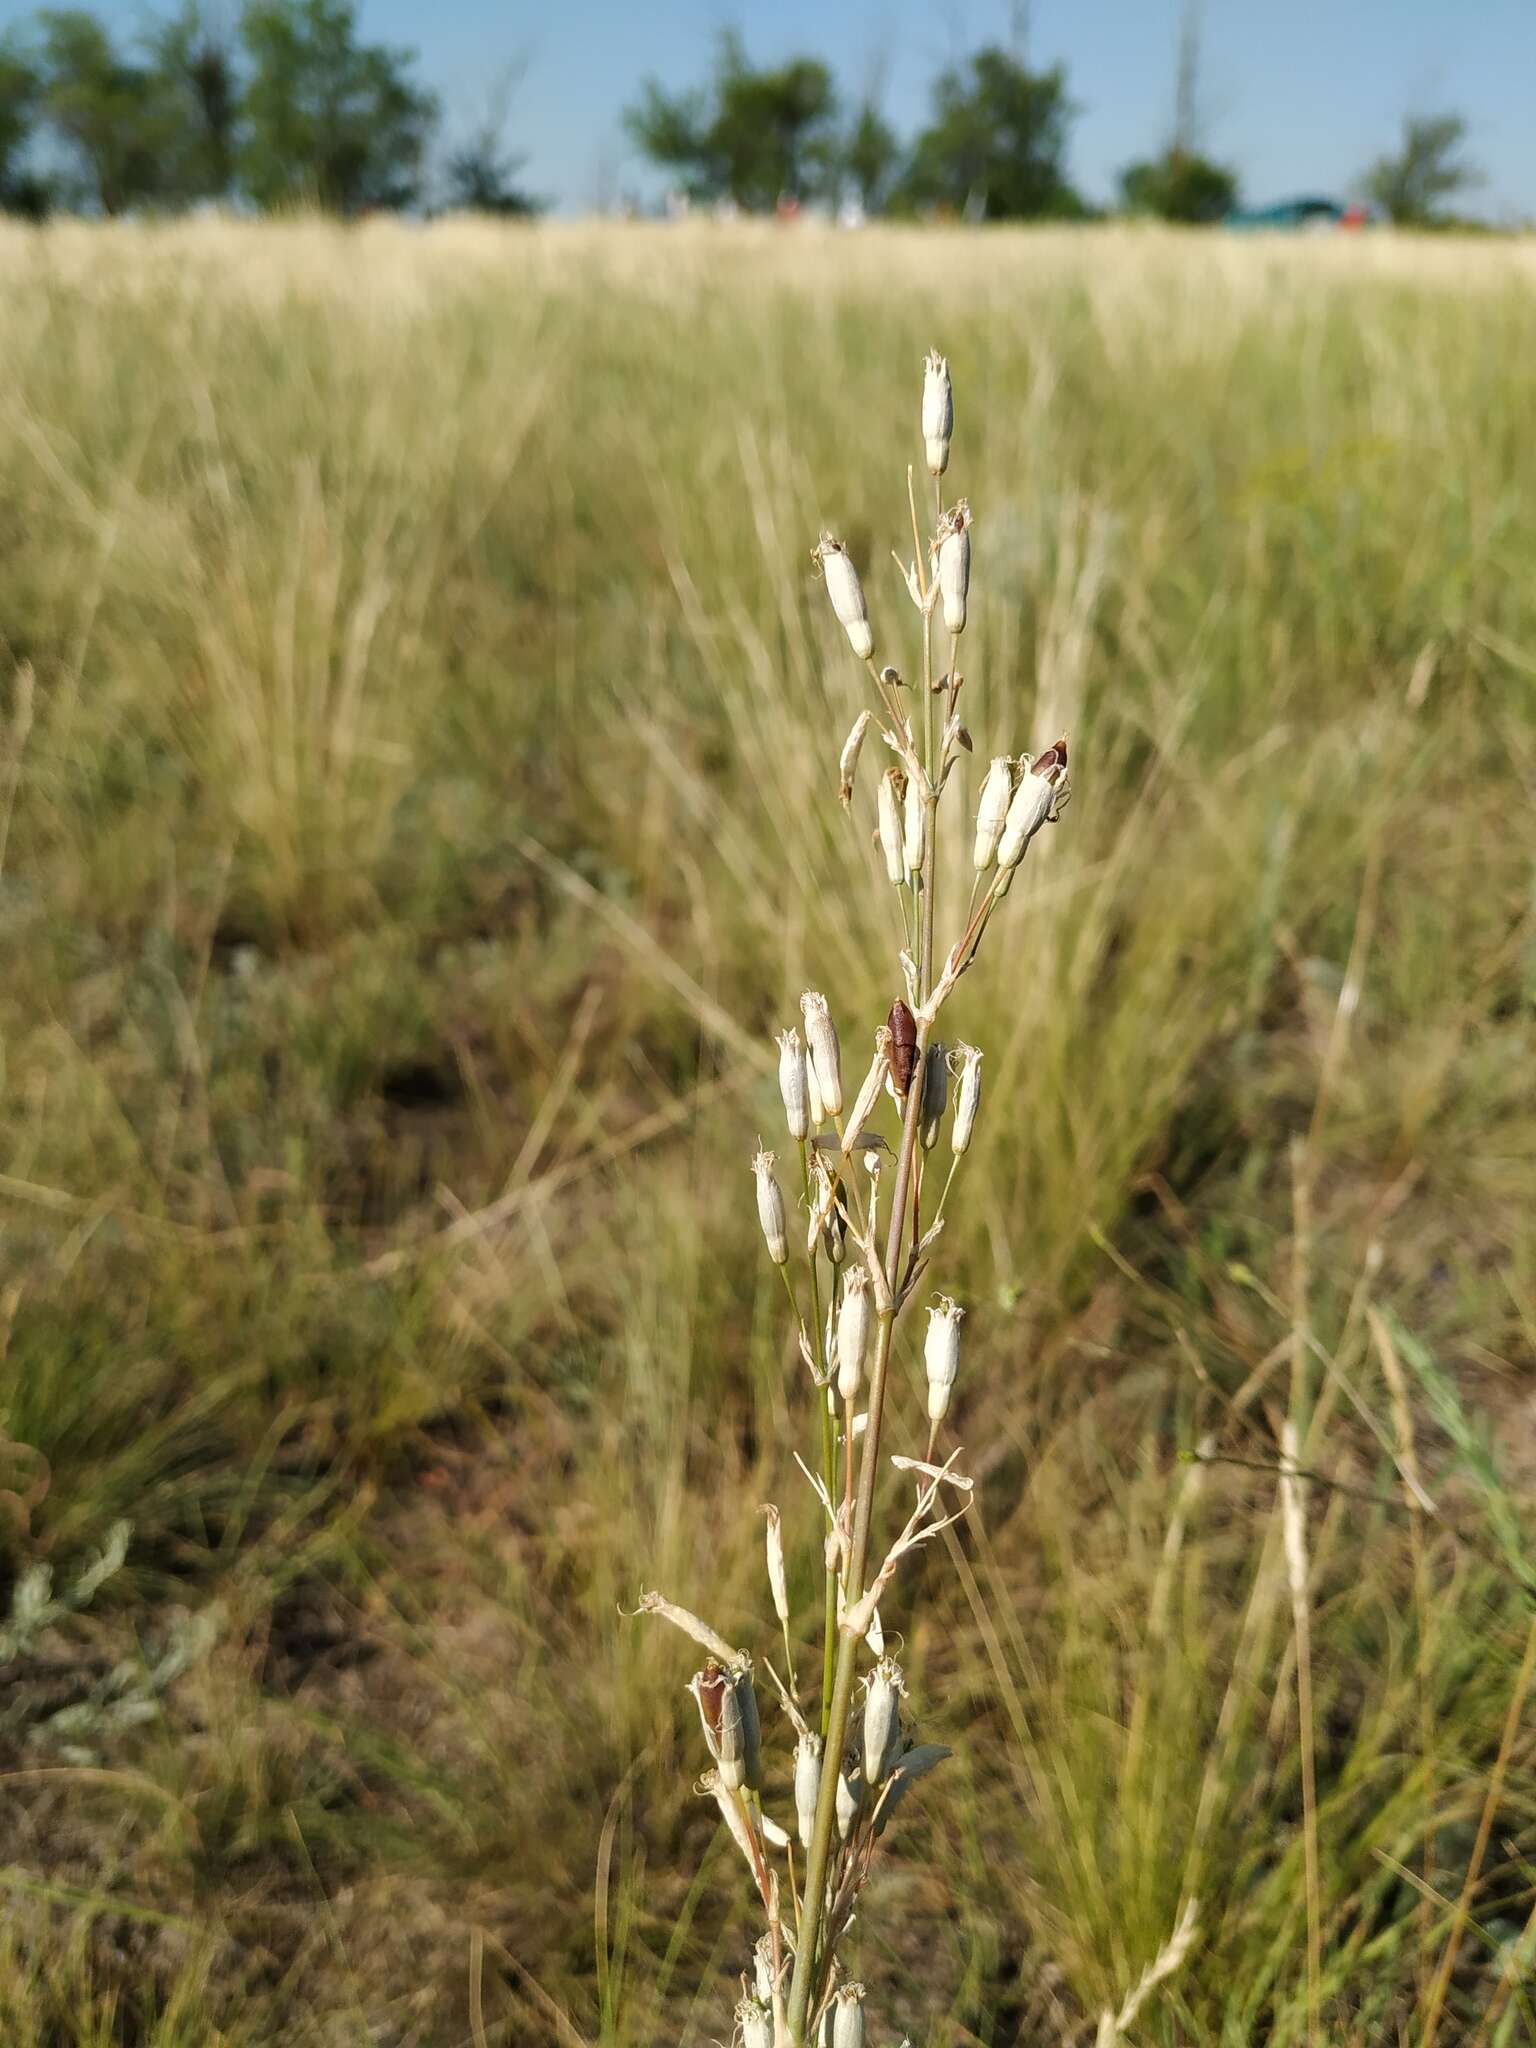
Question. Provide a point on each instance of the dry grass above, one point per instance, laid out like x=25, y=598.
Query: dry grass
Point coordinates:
x=402, y=609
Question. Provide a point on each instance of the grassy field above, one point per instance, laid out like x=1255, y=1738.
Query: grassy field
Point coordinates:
x=415, y=814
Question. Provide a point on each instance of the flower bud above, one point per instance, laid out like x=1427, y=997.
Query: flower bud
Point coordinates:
x=822, y=1051
x=938, y=412
x=914, y=821
x=883, y=1694
x=967, y=1096
x=941, y=1355
x=775, y=1548
x=770, y=1209
x=848, y=2017
x=893, y=788
x=935, y=1095
x=792, y=1084
x=853, y=1320
x=818, y=1108
x=846, y=593
x=719, y=1707
x=807, y=1784
x=834, y=1237
x=754, y=2023
x=1038, y=797
x=992, y=812
x=955, y=565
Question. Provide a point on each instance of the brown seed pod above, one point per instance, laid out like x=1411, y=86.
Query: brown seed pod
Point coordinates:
x=901, y=1053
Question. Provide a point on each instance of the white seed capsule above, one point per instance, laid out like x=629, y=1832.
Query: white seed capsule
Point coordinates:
x=853, y=1320
x=807, y=1785
x=938, y=412
x=883, y=1695
x=967, y=1096
x=848, y=760
x=818, y=1108
x=941, y=1355
x=770, y=1209
x=754, y=2024
x=719, y=1705
x=848, y=2017
x=1037, y=797
x=793, y=1086
x=935, y=1095
x=762, y=1968
x=992, y=812
x=955, y=565
x=893, y=789
x=847, y=1805
x=914, y=819
x=823, y=1052
x=775, y=1547
x=846, y=593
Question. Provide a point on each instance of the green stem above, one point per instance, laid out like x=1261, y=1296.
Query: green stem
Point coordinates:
x=828, y=1465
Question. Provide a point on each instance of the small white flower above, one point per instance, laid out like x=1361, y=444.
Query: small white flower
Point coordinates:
x=823, y=1051
x=965, y=1062
x=1041, y=792
x=955, y=565
x=992, y=811
x=807, y=1785
x=853, y=1321
x=892, y=794
x=770, y=1209
x=793, y=1086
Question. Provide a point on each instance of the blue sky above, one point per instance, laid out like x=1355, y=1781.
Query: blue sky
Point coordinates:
x=1298, y=97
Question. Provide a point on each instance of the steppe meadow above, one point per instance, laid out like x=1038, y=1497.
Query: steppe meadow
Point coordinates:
x=417, y=814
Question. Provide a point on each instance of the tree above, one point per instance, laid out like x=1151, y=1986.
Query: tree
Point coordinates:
x=192, y=61
x=1428, y=169
x=481, y=176
x=752, y=136
x=1179, y=185
x=329, y=121
x=107, y=110
x=871, y=157
x=20, y=91
x=997, y=142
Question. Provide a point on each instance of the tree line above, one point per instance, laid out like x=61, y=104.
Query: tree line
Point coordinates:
x=290, y=107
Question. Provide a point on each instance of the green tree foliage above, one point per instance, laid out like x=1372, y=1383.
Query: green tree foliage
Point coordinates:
x=871, y=158
x=751, y=136
x=20, y=90
x=196, y=76
x=481, y=177
x=1413, y=183
x=996, y=146
x=329, y=121
x=108, y=110
x=1180, y=185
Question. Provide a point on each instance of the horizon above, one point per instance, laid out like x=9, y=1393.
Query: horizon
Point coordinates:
x=1296, y=106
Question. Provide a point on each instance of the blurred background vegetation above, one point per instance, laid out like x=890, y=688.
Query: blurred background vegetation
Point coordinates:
x=417, y=807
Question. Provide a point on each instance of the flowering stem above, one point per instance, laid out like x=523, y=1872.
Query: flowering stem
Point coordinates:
x=820, y=1854
x=828, y=1459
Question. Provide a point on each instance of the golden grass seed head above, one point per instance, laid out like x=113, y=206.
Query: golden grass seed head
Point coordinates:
x=941, y=1354
x=846, y=593
x=793, y=1085
x=965, y=1065
x=770, y=1209
x=938, y=412
x=854, y=1316
x=823, y=1050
